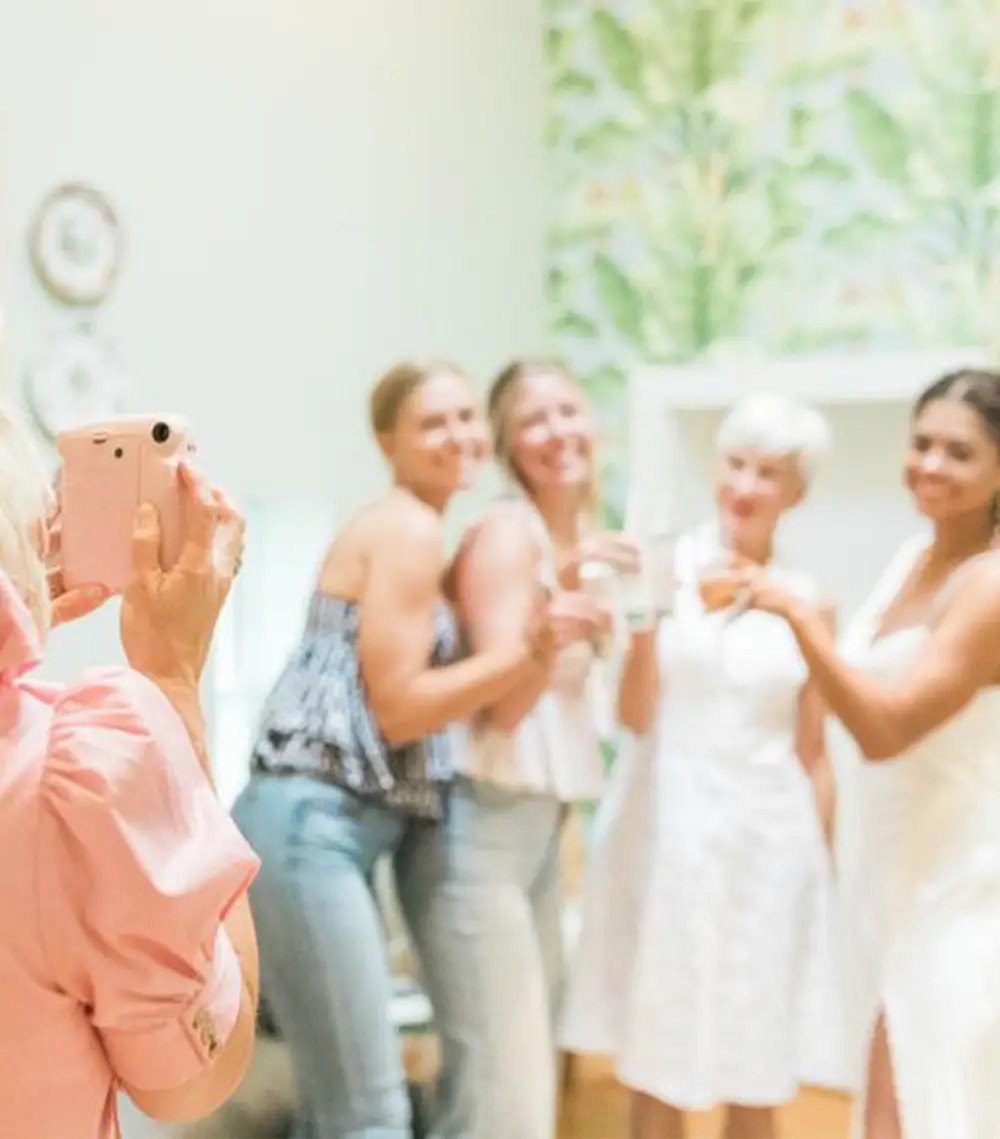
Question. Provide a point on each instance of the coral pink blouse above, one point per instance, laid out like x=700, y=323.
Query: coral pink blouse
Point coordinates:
x=117, y=866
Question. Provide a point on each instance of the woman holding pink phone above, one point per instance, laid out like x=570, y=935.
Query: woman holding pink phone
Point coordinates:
x=354, y=757
x=127, y=957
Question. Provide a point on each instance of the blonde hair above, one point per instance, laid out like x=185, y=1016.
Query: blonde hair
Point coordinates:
x=504, y=392
x=393, y=389
x=25, y=498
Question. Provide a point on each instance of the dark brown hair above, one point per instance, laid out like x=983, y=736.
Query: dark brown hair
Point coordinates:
x=978, y=388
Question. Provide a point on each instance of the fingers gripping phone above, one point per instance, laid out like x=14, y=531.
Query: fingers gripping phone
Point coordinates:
x=108, y=470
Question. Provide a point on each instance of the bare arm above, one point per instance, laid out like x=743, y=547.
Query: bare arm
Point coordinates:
x=210, y=1089
x=639, y=687
x=167, y=625
x=497, y=589
x=408, y=696
x=810, y=745
x=609, y=548
x=960, y=657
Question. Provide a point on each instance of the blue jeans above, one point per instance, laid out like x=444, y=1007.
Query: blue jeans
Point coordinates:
x=324, y=964
x=487, y=927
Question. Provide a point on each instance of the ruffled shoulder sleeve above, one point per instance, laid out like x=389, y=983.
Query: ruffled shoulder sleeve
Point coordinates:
x=139, y=865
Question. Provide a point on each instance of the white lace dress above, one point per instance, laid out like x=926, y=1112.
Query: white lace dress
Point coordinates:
x=925, y=904
x=706, y=958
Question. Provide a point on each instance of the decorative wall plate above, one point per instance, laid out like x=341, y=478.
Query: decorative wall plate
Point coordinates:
x=76, y=380
x=76, y=244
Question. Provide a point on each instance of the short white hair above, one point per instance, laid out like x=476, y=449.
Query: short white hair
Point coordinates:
x=777, y=425
x=25, y=498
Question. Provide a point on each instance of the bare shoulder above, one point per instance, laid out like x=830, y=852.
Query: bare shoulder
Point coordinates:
x=975, y=588
x=507, y=520
x=978, y=581
x=404, y=518
x=396, y=523
x=498, y=551
x=827, y=609
x=505, y=534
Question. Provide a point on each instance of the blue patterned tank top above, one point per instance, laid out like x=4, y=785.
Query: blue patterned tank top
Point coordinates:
x=317, y=720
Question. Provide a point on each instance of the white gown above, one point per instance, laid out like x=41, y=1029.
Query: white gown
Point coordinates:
x=925, y=906
x=706, y=962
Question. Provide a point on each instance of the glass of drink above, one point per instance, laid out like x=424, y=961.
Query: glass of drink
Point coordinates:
x=648, y=593
x=598, y=581
x=717, y=585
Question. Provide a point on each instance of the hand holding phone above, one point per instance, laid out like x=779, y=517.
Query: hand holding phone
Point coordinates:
x=168, y=616
x=67, y=604
x=108, y=470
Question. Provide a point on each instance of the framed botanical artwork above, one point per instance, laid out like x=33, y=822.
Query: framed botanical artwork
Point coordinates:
x=781, y=177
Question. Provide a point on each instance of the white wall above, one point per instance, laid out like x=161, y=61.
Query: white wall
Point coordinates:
x=309, y=190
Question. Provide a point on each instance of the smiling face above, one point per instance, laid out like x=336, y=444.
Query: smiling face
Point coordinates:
x=438, y=439
x=753, y=489
x=548, y=435
x=952, y=468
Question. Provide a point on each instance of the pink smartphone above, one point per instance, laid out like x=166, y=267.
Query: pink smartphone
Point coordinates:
x=108, y=470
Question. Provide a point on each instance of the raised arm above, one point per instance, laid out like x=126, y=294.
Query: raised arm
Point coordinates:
x=211, y=1088
x=168, y=619
x=497, y=579
x=409, y=697
x=960, y=656
x=608, y=547
x=639, y=686
x=810, y=745
x=496, y=582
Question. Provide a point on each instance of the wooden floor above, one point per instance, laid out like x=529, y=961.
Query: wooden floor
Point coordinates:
x=597, y=1109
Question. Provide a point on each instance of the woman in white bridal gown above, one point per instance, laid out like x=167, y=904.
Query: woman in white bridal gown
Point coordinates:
x=918, y=687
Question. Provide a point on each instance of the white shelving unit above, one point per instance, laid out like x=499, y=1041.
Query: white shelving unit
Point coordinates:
x=668, y=407
x=825, y=380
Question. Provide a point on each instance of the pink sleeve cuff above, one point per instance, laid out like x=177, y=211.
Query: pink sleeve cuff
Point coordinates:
x=167, y=1055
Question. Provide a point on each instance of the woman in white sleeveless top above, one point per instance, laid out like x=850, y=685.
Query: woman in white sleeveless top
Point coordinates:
x=919, y=691
x=705, y=964
x=493, y=927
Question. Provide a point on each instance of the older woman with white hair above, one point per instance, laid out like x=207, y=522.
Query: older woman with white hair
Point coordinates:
x=706, y=963
x=127, y=952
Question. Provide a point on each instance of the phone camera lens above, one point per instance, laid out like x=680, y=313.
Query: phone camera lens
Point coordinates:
x=161, y=432
x=118, y=452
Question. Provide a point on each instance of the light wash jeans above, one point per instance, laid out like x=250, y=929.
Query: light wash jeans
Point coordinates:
x=487, y=926
x=324, y=965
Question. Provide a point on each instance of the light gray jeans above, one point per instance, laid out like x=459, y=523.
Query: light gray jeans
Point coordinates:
x=485, y=913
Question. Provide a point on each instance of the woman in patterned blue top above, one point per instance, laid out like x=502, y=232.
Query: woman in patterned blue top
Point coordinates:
x=353, y=757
